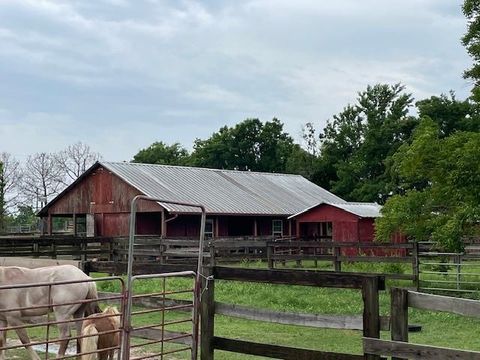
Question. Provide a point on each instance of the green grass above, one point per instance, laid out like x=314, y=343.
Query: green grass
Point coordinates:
x=440, y=329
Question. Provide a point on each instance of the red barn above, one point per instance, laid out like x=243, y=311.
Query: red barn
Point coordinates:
x=238, y=203
x=340, y=222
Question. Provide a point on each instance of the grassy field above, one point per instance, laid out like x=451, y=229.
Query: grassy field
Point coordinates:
x=438, y=328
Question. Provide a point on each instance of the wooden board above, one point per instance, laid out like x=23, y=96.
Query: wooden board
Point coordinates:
x=296, y=277
x=345, y=322
x=415, y=351
x=458, y=306
x=278, y=352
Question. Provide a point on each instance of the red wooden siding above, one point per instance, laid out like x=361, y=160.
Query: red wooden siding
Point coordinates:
x=100, y=192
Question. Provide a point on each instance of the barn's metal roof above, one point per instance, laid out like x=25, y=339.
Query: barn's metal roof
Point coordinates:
x=223, y=191
x=366, y=210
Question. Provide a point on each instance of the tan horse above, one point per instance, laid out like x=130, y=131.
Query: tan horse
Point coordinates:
x=93, y=326
x=38, y=295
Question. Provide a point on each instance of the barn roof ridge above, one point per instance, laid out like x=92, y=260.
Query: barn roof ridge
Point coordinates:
x=202, y=168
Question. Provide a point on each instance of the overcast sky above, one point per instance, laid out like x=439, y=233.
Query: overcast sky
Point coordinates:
x=119, y=75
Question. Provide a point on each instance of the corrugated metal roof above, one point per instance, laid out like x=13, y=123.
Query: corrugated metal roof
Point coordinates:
x=366, y=210
x=223, y=191
x=369, y=210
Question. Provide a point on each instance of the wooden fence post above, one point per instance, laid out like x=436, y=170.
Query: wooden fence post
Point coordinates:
x=207, y=316
x=399, y=315
x=270, y=260
x=371, y=311
x=416, y=265
x=212, y=253
x=337, y=264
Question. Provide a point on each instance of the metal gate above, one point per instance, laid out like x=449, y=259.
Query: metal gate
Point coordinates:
x=164, y=312
x=171, y=328
x=196, y=290
x=46, y=331
x=449, y=272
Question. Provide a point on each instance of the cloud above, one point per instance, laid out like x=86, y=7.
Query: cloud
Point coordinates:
x=123, y=74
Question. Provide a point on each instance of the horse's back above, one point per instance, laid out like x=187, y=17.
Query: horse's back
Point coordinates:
x=38, y=295
x=14, y=275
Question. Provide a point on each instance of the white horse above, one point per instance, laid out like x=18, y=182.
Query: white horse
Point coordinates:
x=38, y=295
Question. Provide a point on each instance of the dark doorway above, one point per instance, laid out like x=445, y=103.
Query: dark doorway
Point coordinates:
x=316, y=230
x=240, y=226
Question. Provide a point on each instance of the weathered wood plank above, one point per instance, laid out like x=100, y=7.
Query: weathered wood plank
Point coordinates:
x=415, y=351
x=346, y=322
x=207, y=317
x=296, y=277
x=278, y=352
x=458, y=306
x=399, y=315
x=387, y=259
x=120, y=268
x=331, y=244
x=371, y=311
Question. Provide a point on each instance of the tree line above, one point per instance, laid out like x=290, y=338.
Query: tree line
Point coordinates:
x=27, y=187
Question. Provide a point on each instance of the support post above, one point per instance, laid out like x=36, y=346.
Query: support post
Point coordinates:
x=399, y=315
x=207, y=316
x=416, y=265
x=458, y=266
x=337, y=264
x=212, y=253
x=270, y=260
x=49, y=224
x=371, y=311
x=75, y=231
x=164, y=225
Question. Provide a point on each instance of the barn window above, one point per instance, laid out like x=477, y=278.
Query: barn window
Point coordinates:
x=209, y=228
x=277, y=227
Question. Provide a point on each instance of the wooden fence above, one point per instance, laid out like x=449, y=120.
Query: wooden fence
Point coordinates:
x=429, y=268
x=399, y=347
x=369, y=285
x=53, y=247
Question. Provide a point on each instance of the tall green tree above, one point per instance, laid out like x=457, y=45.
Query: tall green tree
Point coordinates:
x=450, y=113
x=161, y=153
x=249, y=145
x=446, y=207
x=357, y=144
x=471, y=41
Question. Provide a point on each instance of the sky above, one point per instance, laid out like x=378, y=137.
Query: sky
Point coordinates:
x=119, y=75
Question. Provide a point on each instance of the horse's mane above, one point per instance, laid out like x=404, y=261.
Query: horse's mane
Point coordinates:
x=112, y=310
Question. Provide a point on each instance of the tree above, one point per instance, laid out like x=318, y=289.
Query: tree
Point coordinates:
x=74, y=161
x=42, y=179
x=249, y=145
x=161, y=153
x=471, y=41
x=357, y=144
x=446, y=207
x=10, y=176
x=450, y=114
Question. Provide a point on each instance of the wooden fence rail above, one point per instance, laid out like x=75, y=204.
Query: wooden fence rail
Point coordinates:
x=399, y=347
x=430, y=271
x=370, y=285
